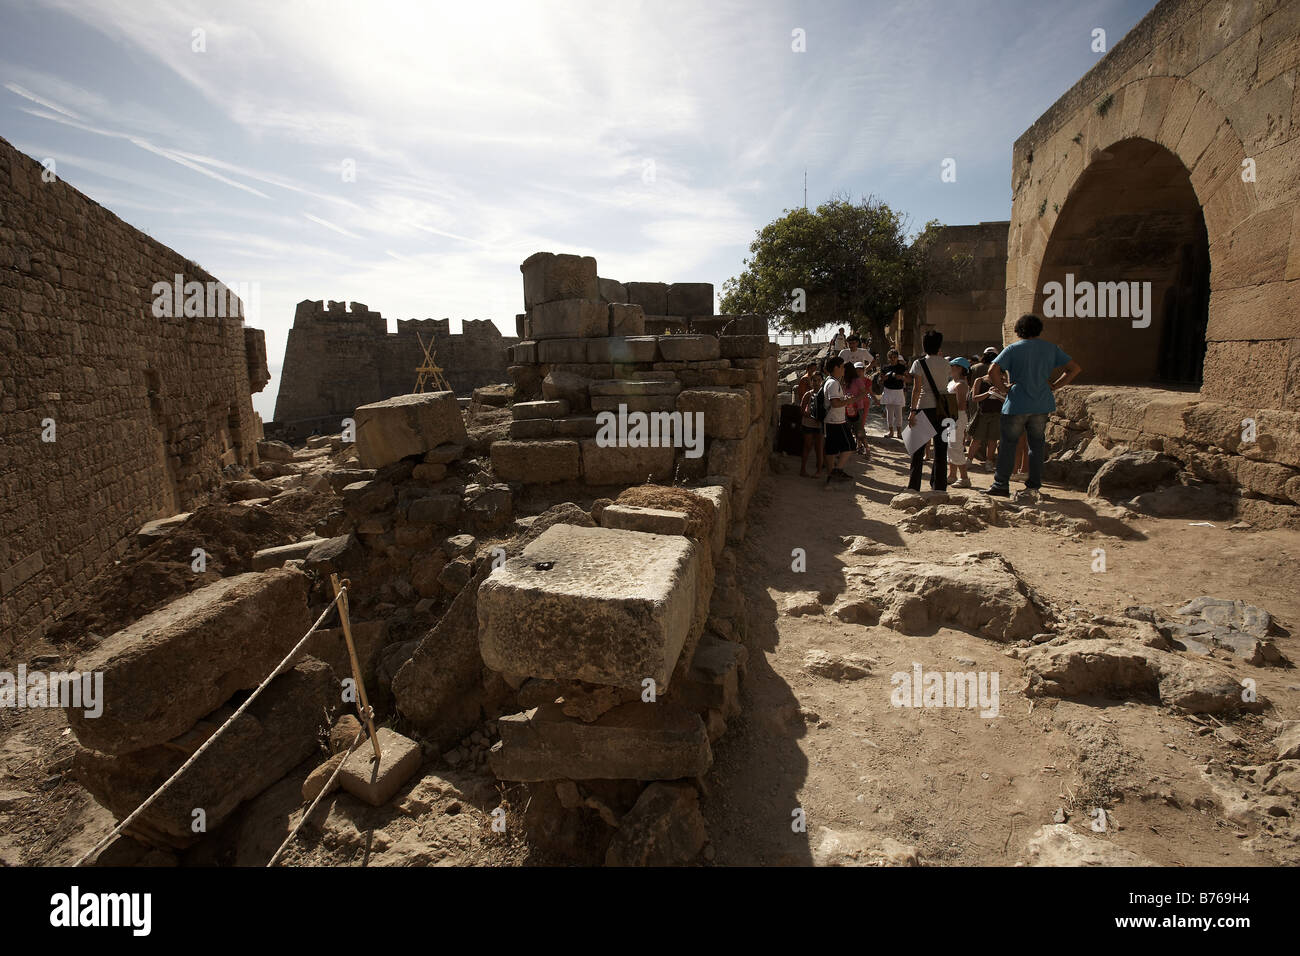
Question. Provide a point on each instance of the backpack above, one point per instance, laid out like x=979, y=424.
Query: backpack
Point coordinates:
x=814, y=403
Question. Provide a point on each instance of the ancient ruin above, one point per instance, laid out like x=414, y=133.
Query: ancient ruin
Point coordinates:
x=112, y=415
x=580, y=608
x=340, y=355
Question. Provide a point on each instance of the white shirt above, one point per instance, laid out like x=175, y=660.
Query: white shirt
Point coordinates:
x=839, y=341
x=857, y=355
x=833, y=389
x=938, y=369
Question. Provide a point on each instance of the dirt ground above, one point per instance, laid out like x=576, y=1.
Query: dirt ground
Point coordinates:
x=946, y=786
x=960, y=788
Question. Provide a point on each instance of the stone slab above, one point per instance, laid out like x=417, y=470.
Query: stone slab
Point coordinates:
x=390, y=430
x=165, y=671
x=633, y=741
x=594, y=604
x=375, y=783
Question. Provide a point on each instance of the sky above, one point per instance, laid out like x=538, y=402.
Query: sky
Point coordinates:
x=409, y=155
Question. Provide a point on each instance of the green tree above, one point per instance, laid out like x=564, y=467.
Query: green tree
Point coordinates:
x=844, y=263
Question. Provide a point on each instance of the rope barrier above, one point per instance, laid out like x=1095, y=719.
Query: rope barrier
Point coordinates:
x=320, y=796
x=117, y=830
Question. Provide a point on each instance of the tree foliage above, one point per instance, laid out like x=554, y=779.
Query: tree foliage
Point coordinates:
x=854, y=263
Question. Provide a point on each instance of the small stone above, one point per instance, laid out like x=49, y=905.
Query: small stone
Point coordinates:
x=1060, y=816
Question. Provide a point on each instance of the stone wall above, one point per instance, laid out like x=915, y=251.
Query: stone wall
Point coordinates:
x=970, y=317
x=339, y=357
x=1182, y=144
x=589, y=353
x=145, y=411
x=1249, y=452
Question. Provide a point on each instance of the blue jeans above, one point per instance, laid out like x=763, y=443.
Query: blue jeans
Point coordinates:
x=1013, y=426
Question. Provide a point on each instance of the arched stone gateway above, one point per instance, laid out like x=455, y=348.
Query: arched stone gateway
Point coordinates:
x=1125, y=277
x=1107, y=159
x=1175, y=161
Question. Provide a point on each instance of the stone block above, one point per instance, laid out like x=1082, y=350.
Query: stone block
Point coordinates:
x=634, y=387
x=152, y=531
x=570, y=319
x=634, y=403
x=553, y=351
x=532, y=428
x=713, y=680
x=593, y=604
x=373, y=781
x=689, y=298
x=726, y=411
x=547, y=408
x=622, y=349
x=746, y=325
x=612, y=291
x=169, y=668
x=280, y=730
x=549, y=277
x=525, y=353
x=613, y=465
x=720, y=497
x=707, y=324
x=664, y=828
x=568, y=387
x=626, y=319
x=575, y=426
x=743, y=346
x=275, y=557
x=689, y=348
x=649, y=520
x=434, y=509
x=535, y=462
x=633, y=741
x=390, y=430
x=651, y=296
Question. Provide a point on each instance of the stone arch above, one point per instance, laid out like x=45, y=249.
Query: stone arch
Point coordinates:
x=1245, y=239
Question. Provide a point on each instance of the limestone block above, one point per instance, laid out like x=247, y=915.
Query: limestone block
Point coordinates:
x=593, y=604
x=634, y=403
x=549, y=277
x=633, y=741
x=626, y=319
x=635, y=387
x=551, y=351
x=649, y=520
x=743, y=346
x=612, y=291
x=531, y=428
x=570, y=319
x=390, y=430
x=547, y=408
x=623, y=349
x=745, y=325
x=726, y=411
x=535, y=462
x=651, y=296
x=376, y=782
x=689, y=348
x=625, y=466
x=689, y=298
x=168, y=669
x=278, y=731
x=664, y=324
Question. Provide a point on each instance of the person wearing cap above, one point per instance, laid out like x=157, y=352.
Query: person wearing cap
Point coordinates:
x=986, y=426
x=855, y=353
x=959, y=389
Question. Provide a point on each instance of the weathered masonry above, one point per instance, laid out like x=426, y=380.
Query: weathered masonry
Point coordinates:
x=338, y=358
x=1173, y=168
x=109, y=416
x=1175, y=161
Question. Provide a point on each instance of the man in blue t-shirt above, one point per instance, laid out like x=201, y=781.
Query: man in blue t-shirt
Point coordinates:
x=1031, y=364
